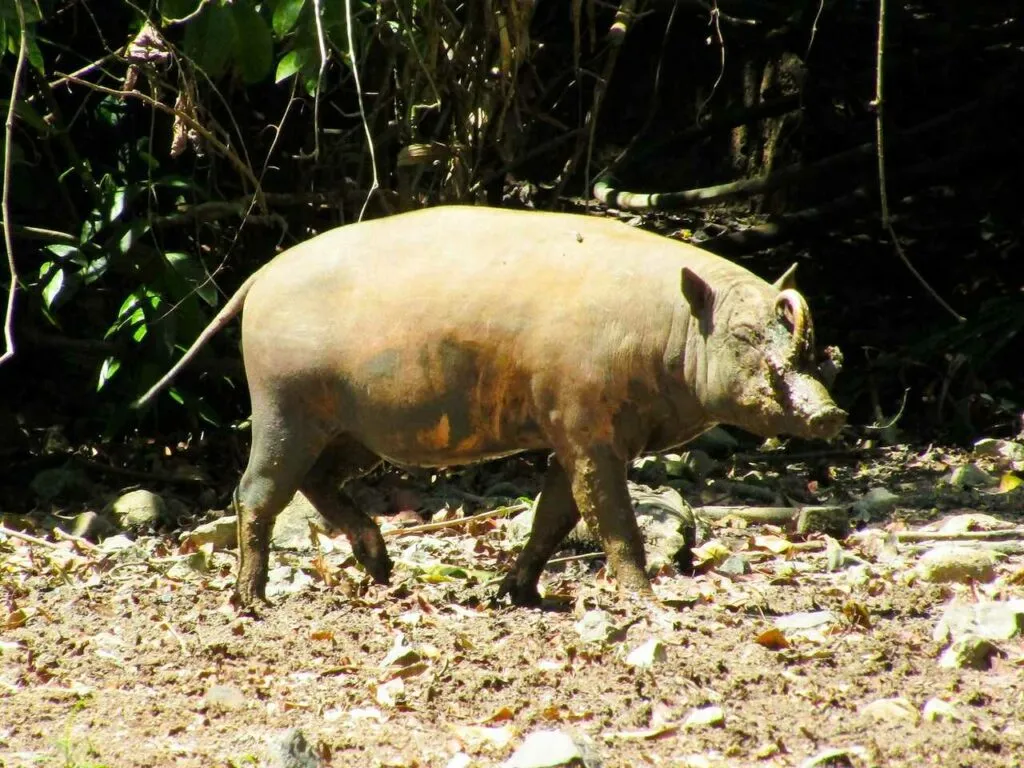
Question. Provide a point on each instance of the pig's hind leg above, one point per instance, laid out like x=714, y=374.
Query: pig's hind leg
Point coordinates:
x=285, y=445
x=344, y=460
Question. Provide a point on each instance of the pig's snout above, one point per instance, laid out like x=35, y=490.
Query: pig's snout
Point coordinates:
x=827, y=422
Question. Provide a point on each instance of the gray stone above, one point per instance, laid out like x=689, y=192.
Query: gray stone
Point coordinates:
x=292, y=750
x=1007, y=450
x=969, y=652
x=833, y=521
x=595, y=626
x=139, y=510
x=990, y=620
x=549, y=748
x=971, y=476
x=224, y=698
x=291, y=528
x=734, y=565
x=874, y=504
x=222, y=533
x=952, y=563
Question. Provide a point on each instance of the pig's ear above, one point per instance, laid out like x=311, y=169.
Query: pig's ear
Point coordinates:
x=698, y=294
x=787, y=281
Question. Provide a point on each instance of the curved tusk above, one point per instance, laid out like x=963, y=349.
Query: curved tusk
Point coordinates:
x=803, y=327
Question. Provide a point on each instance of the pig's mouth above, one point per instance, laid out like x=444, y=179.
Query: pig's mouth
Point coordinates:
x=826, y=423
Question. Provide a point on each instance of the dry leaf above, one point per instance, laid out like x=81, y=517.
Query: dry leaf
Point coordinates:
x=773, y=639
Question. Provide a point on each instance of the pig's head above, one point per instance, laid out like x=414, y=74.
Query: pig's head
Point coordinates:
x=759, y=368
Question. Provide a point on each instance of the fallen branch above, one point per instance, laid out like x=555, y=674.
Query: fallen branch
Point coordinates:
x=575, y=558
x=777, y=515
x=5, y=531
x=1001, y=534
x=457, y=523
x=134, y=474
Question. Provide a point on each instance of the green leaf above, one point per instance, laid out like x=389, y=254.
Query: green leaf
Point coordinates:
x=8, y=10
x=53, y=276
x=107, y=371
x=255, y=47
x=35, y=56
x=194, y=274
x=289, y=64
x=173, y=10
x=211, y=38
x=286, y=15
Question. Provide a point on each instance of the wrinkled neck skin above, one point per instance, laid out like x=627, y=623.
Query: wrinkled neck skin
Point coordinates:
x=684, y=387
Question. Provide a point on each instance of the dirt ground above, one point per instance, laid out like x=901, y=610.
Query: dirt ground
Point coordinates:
x=134, y=656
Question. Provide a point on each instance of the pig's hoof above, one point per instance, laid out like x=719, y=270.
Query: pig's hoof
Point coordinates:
x=525, y=595
x=379, y=568
x=249, y=599
x=372, y=554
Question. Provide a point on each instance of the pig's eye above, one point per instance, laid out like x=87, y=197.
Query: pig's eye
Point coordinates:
x=747, y=335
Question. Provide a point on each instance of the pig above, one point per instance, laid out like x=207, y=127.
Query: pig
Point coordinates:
x=459, y=334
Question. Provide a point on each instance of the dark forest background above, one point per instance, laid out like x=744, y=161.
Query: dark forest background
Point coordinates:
x=159, y=152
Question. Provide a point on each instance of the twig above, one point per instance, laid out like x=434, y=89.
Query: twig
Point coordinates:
x=1003, y=533
x=12, y=290
x=322, y=46
x=354, y=63
x=192, y=123
x=4, y=530
x=780, y=515
x=510, y=510
x=814, y=30
x=134, y=474
x=65, y=536
x=713, y=20
x=575, y=558
x=89, y=67
x=882, y=192
x=829, y=453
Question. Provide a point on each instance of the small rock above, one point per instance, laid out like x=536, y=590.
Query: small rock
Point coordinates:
x=1007, y=450
x=971, y=476
x=222, y=533
x=952, y=563
x=973, y=522
x=705, y=716
x=477, y=738
x=832, y=521
x=991, y=620
x=292, y=750
x=800, y=622
x=285, y=580
x=139, y=510
x=837, y=757
x=969, y=652
x=734, y=565
x=595, y=626
x=291, y=528
x=547, y=748
x=891, y=710
x=936, y=710
x=224, y=698
x=118, y=543
x=874, y=504
x=647, y=655
x=667, y=525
